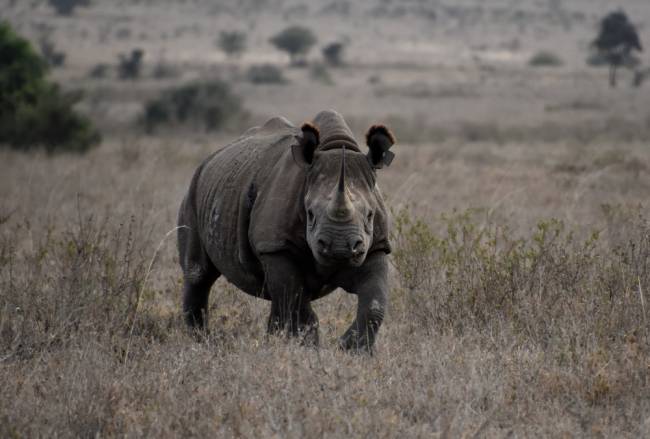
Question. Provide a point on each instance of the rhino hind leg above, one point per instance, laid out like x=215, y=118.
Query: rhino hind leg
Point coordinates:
x=196, y=290
x=199, y=274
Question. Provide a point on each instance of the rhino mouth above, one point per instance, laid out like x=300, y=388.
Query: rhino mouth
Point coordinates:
x=339, y=260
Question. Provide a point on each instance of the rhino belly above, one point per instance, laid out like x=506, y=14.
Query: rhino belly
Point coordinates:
x=220, y=239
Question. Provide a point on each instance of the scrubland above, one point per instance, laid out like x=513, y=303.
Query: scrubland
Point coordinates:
x=520, y=272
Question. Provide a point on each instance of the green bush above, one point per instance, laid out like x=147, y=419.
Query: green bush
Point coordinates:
x=266, y=74
x=206, y=105
x=333, y=54
x=319, y=72
x=597, y=59
x=601, y=59
x=34, y=112
x=545, y=59
x=130, y=66
x=232, y=43
x=67, y=7
x=99, y=71
x=165, y=70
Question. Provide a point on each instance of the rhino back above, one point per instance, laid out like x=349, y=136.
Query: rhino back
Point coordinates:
x=231, y=184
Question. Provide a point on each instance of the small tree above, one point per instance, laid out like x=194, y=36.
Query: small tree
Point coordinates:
x=130, y=65
x=33, y=111
x=296, y=41
x=640, y=75
x=67, y=7
x=333, y=54
x=232, y=43
x=616, y=41
x=53, y=56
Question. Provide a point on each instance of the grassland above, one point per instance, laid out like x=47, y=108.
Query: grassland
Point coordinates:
x=520, y=282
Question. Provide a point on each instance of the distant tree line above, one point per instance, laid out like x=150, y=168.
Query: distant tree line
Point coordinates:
x=67, y=7
x=296, y=41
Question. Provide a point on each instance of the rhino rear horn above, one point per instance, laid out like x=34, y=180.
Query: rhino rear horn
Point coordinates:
x=303, y=151
x=379, y=139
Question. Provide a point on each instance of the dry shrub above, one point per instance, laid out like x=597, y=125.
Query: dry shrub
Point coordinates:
x=545, y=59
x=490, y=334
x=83, y=282
x=572, y=293
x=574, y=303
x=266, y=74
x=320, y=73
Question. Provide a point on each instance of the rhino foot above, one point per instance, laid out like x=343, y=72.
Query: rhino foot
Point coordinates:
x=307, y=334
x=353, y=342
x=200, y=335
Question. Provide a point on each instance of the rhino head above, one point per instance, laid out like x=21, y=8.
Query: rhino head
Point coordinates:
x=341, y=197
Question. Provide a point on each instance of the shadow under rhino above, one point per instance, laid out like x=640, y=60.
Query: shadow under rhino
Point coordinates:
x=289, y=215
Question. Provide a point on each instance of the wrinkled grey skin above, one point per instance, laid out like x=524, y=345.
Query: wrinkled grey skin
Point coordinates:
x=278, y=215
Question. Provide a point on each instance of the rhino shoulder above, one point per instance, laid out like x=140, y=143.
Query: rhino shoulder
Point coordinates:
x=277, y=217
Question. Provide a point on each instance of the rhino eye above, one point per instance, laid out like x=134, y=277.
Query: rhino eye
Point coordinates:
x=310, y=216
x=370, y=215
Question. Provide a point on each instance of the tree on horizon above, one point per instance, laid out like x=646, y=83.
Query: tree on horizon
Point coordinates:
x=616, y=40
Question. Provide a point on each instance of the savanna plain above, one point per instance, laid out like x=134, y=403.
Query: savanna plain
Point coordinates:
x=520, y=271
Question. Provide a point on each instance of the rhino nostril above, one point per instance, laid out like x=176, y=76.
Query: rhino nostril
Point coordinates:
x=357, y=247
x=322, y=246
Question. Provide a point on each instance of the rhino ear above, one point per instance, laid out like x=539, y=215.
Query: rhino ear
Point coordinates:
x=379, y=139
x=303, y=151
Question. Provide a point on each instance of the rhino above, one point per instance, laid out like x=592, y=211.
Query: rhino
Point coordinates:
x=289, y=215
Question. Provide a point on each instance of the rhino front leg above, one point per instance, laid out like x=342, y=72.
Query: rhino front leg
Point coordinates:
x=371, y=288
x=290, y=307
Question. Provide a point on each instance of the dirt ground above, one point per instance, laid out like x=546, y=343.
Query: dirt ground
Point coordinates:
x=477, y=128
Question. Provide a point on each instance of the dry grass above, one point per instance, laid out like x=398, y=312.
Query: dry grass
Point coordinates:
x=533, y=330
x=520, y=290
x=421, y=130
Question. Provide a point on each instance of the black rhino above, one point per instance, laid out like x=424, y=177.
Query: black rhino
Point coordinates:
x=288, y=215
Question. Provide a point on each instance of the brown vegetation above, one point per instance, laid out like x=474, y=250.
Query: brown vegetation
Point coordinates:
x=534, y=330
x=520, y=272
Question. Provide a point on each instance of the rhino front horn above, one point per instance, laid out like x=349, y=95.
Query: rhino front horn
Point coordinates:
x=340, y=207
